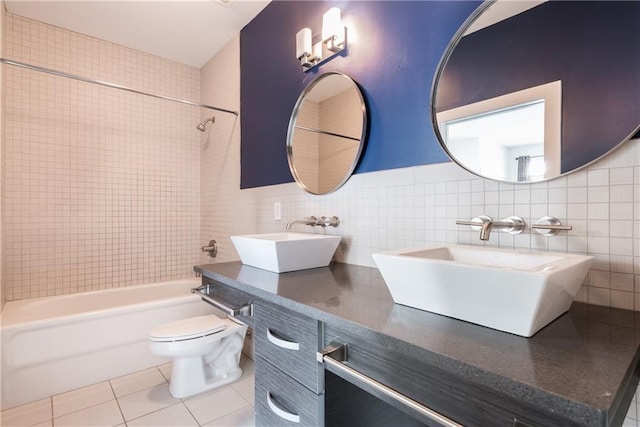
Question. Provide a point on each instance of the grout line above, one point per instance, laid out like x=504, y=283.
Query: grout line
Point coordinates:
x=191, y=413
x=117, y=403
x=51, y=401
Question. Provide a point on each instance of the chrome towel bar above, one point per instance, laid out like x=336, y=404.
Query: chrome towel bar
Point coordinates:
x=340, y=351
x=203, y=291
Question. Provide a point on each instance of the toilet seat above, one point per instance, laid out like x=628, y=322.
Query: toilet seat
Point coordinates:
x=187, y=329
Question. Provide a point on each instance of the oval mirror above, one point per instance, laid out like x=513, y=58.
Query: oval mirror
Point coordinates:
x=326, y=133
x=528, y=91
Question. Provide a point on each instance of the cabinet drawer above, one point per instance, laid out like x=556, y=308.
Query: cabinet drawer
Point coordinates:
x=281, y=401
x=289, y=341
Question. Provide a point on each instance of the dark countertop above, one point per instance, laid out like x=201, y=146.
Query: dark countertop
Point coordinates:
x=581, y=366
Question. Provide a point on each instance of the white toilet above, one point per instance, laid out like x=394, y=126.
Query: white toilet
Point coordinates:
x=205, y=350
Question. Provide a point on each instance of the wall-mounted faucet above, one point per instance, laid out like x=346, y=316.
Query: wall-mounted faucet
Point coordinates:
x=211, y=249
x=511, y=225
x=323, y=221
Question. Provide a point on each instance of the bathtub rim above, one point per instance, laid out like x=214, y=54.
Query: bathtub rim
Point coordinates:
x=103, y=312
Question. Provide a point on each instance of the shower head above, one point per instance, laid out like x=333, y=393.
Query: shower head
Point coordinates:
x=203, y=126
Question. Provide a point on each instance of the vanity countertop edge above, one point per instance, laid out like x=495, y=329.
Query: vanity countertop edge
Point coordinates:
x=583, y=366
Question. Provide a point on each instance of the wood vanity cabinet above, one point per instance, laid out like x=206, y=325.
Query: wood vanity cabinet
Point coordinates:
x=440, y=391
x=292, y=388
x=289, y=386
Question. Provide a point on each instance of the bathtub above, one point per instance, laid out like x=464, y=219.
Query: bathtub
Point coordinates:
x=56, y=344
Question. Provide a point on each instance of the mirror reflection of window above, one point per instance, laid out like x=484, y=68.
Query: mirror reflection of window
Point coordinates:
x=514, y=137
x=493, y=149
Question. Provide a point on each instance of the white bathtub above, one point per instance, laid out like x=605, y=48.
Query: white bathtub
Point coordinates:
x=56, y=344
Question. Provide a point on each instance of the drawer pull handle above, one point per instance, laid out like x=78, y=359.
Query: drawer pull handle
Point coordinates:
x=336, y=353
x=289, y=345
x=203, y=291
x=279, y=411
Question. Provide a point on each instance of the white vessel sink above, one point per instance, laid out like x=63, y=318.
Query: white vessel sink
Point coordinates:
x=516, y=292
x=282, y=252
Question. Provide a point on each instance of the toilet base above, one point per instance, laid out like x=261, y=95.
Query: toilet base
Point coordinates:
x=182, y=389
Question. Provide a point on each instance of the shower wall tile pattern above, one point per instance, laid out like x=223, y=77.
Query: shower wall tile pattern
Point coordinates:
x=417, y=206
x=102, y=187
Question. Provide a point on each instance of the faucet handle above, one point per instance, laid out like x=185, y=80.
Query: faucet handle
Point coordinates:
x=476, y=223
x=550, y=226
x=334, y=221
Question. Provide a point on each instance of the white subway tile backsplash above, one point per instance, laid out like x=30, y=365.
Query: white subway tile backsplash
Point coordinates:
x=620, y=246
x=598, y=245
x=600, y=296
x=598, y=228
x=597, y=177
x=624, y=300
x=598, y=211
x=491, y=197
x=619, y=176
x=577, y=195
x=622, y=282
x=622, y=211
x=557, y=195
x=577, y=179
x=621, y=264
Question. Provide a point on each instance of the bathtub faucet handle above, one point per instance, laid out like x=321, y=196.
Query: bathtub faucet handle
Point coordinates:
x=211, y=249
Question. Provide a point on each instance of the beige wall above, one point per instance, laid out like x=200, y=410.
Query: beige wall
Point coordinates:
x=102, y=186
x=225, y=209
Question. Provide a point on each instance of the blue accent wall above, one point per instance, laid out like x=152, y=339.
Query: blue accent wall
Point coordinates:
x=393, y=50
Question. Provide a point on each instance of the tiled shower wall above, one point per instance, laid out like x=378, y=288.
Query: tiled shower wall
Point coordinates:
x=416, y=206
x=102, y=187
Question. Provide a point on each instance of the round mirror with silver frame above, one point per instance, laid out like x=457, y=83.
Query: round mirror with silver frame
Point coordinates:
x=529, y=91
x=326, y=133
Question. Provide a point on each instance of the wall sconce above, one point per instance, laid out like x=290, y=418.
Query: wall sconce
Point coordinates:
x=334, y=41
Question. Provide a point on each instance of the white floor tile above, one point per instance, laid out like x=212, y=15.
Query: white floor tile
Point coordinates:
x=244, y=417
x=81, y=398
x=215, y=404
x=245, y=386
x=27, y=415
x=144, y=402
x=138, y=381
x=48, y=423
x=173, y=416
x=104, y=414
x=166, y=370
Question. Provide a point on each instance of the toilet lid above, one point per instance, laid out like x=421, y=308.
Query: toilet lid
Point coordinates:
x=193, y=327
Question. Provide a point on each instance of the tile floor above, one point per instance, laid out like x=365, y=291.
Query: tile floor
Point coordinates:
x=141, y=399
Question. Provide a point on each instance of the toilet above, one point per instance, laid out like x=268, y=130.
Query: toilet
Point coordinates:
x=205, y=351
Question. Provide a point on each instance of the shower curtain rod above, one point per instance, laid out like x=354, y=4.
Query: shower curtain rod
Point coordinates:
x=110, y=85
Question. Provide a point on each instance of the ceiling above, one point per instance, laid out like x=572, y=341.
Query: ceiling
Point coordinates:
x=187, y=31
